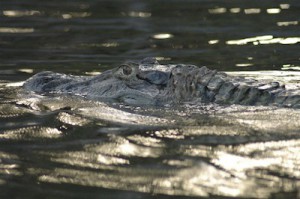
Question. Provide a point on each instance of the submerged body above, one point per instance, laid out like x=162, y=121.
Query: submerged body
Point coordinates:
x=150, y=83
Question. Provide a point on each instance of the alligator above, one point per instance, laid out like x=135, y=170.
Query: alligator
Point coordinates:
x=149, y=83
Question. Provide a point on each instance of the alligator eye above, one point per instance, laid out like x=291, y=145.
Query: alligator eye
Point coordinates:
x=127, y=70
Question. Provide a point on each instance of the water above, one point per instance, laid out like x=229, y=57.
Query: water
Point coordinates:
x=54, y=147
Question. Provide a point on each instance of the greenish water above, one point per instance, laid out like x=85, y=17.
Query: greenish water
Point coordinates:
x=56, y=147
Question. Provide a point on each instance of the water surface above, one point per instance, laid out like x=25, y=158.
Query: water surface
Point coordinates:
x=58, y=147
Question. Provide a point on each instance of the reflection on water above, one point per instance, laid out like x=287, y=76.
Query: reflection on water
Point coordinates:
x=139, y=14
x=75, y=15
x=287, y=23
x=162, y=36
x=16, y=30
x=290, y=67
x=79, y=36
x=273, y=10
x=217, y=10
x=63, y=147
x=20, y=13
x=188, y=151
x=249, y=10
x=252, y=11
x=9, y=167
x=267, y=39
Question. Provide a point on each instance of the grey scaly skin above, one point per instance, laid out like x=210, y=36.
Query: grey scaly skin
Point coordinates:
x=149, y=83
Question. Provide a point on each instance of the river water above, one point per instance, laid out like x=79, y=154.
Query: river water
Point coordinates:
x=64, y=147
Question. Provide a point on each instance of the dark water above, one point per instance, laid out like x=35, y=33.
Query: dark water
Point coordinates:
x=71, y=148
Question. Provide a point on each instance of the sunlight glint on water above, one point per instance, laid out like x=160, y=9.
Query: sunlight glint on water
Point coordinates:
x=63, y=147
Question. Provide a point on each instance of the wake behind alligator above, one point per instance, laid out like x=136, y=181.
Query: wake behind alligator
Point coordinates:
x=150, y=83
